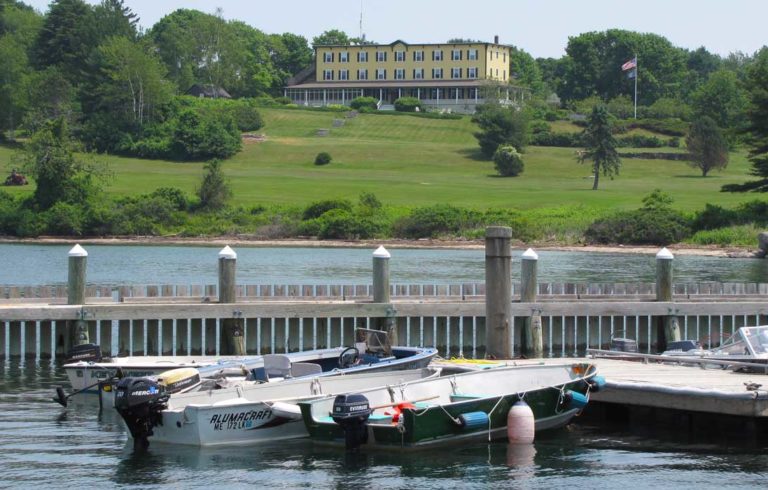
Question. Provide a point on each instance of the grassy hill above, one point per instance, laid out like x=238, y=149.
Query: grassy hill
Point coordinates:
x=412, y=161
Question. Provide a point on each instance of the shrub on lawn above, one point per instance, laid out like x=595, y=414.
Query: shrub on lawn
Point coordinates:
x=323, y=158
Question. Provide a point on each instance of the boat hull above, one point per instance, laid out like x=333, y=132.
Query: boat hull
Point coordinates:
x=256, y=413
x=430, y=424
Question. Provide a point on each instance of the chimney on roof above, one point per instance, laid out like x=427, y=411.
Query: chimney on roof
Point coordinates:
x=496, y=39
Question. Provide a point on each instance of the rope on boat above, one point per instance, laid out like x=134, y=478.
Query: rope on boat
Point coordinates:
x=501, y=398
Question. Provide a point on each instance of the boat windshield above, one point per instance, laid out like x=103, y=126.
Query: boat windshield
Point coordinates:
x=747, y=341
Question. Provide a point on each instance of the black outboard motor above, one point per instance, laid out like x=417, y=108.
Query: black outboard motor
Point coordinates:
x=139, y=401
x=85, y=352
x=351, y=412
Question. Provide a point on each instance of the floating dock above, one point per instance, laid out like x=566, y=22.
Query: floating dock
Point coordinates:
x=688, y=403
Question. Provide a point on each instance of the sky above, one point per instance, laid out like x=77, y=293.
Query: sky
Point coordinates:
x=541, y=27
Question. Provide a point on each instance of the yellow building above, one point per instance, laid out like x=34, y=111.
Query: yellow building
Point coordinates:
x=448, y=76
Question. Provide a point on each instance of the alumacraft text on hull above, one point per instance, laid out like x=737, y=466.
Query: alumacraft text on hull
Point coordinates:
x=245, y=414
x=472, y=405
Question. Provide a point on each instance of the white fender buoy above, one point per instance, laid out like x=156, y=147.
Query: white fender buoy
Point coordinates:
x=520, y=424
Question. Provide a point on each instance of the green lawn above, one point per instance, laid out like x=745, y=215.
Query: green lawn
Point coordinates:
x=410, y=161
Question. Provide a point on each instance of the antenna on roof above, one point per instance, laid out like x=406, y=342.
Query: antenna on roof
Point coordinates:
x=362, y=36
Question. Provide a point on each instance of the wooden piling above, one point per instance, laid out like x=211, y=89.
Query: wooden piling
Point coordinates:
x=233, y=342
x=498, y=296
x=77, y=331
x=664, y=287
x=381, y=292
x=532, y=341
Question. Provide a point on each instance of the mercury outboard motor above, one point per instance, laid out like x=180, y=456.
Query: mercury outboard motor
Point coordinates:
x=351, y=412
x=85, y=352
x=139, y=401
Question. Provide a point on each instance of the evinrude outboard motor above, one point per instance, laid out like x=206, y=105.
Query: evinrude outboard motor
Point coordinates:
x=139, y=401
x=85, y=352
x=351, y=412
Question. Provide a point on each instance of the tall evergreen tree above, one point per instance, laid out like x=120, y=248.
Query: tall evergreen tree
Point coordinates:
x=757, y=113
x=214, y=191
x=67, y=38
x=600, y=145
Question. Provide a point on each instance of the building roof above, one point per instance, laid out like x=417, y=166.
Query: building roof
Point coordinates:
x=399, y=41
x=208, y=90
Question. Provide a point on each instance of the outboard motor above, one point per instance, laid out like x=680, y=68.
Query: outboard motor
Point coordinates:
x=139, y=401
x=351, y=412
x=85, y=352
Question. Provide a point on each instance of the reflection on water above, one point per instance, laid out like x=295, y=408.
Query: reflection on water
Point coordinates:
x=124, y=265
x=45, y=444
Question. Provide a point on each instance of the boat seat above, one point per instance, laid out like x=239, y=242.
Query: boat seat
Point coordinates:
x=380, y=418
x=460, y=397
x=305, y=369
x=277, y=365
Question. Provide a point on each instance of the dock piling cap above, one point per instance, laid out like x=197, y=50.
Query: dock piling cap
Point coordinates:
x=530, y=255
x=227, y=253
x=664, y=254
x=381, y=253
x=78, y=251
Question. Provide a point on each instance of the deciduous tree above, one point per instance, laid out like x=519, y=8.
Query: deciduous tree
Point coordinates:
x=59, y=175
x=707, y=146
x=500, y=125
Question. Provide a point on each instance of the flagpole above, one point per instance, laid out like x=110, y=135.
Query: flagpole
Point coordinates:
x=636, y=73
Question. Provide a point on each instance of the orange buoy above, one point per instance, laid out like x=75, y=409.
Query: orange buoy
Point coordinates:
x=520, y=424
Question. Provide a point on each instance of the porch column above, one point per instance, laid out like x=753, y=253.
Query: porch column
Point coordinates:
x=325, y=96
x=306, y=96
x=343, y=97
x=476, y=91
x=457, y=96
x=381, y=94
x=399, y=93
x=418, y=93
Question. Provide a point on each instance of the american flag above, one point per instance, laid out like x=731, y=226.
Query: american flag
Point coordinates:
x=629, y=64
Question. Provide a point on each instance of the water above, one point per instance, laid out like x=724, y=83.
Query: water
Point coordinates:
x=112, y=265
x=47, y=446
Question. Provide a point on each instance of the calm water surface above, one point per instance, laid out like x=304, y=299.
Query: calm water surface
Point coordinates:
x=47, y=446
x=112, y=265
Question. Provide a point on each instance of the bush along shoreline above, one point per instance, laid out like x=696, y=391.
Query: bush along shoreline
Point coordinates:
x=168, y=212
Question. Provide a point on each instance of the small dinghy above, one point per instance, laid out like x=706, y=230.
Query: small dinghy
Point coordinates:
x=482, y=404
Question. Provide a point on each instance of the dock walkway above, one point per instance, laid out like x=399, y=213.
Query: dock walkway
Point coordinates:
x=687, y=388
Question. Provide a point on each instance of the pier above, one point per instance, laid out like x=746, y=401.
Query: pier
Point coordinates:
x=531, y=318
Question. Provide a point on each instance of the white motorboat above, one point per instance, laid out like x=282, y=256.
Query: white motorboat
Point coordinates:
x=88, y=369
x=248, y=413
